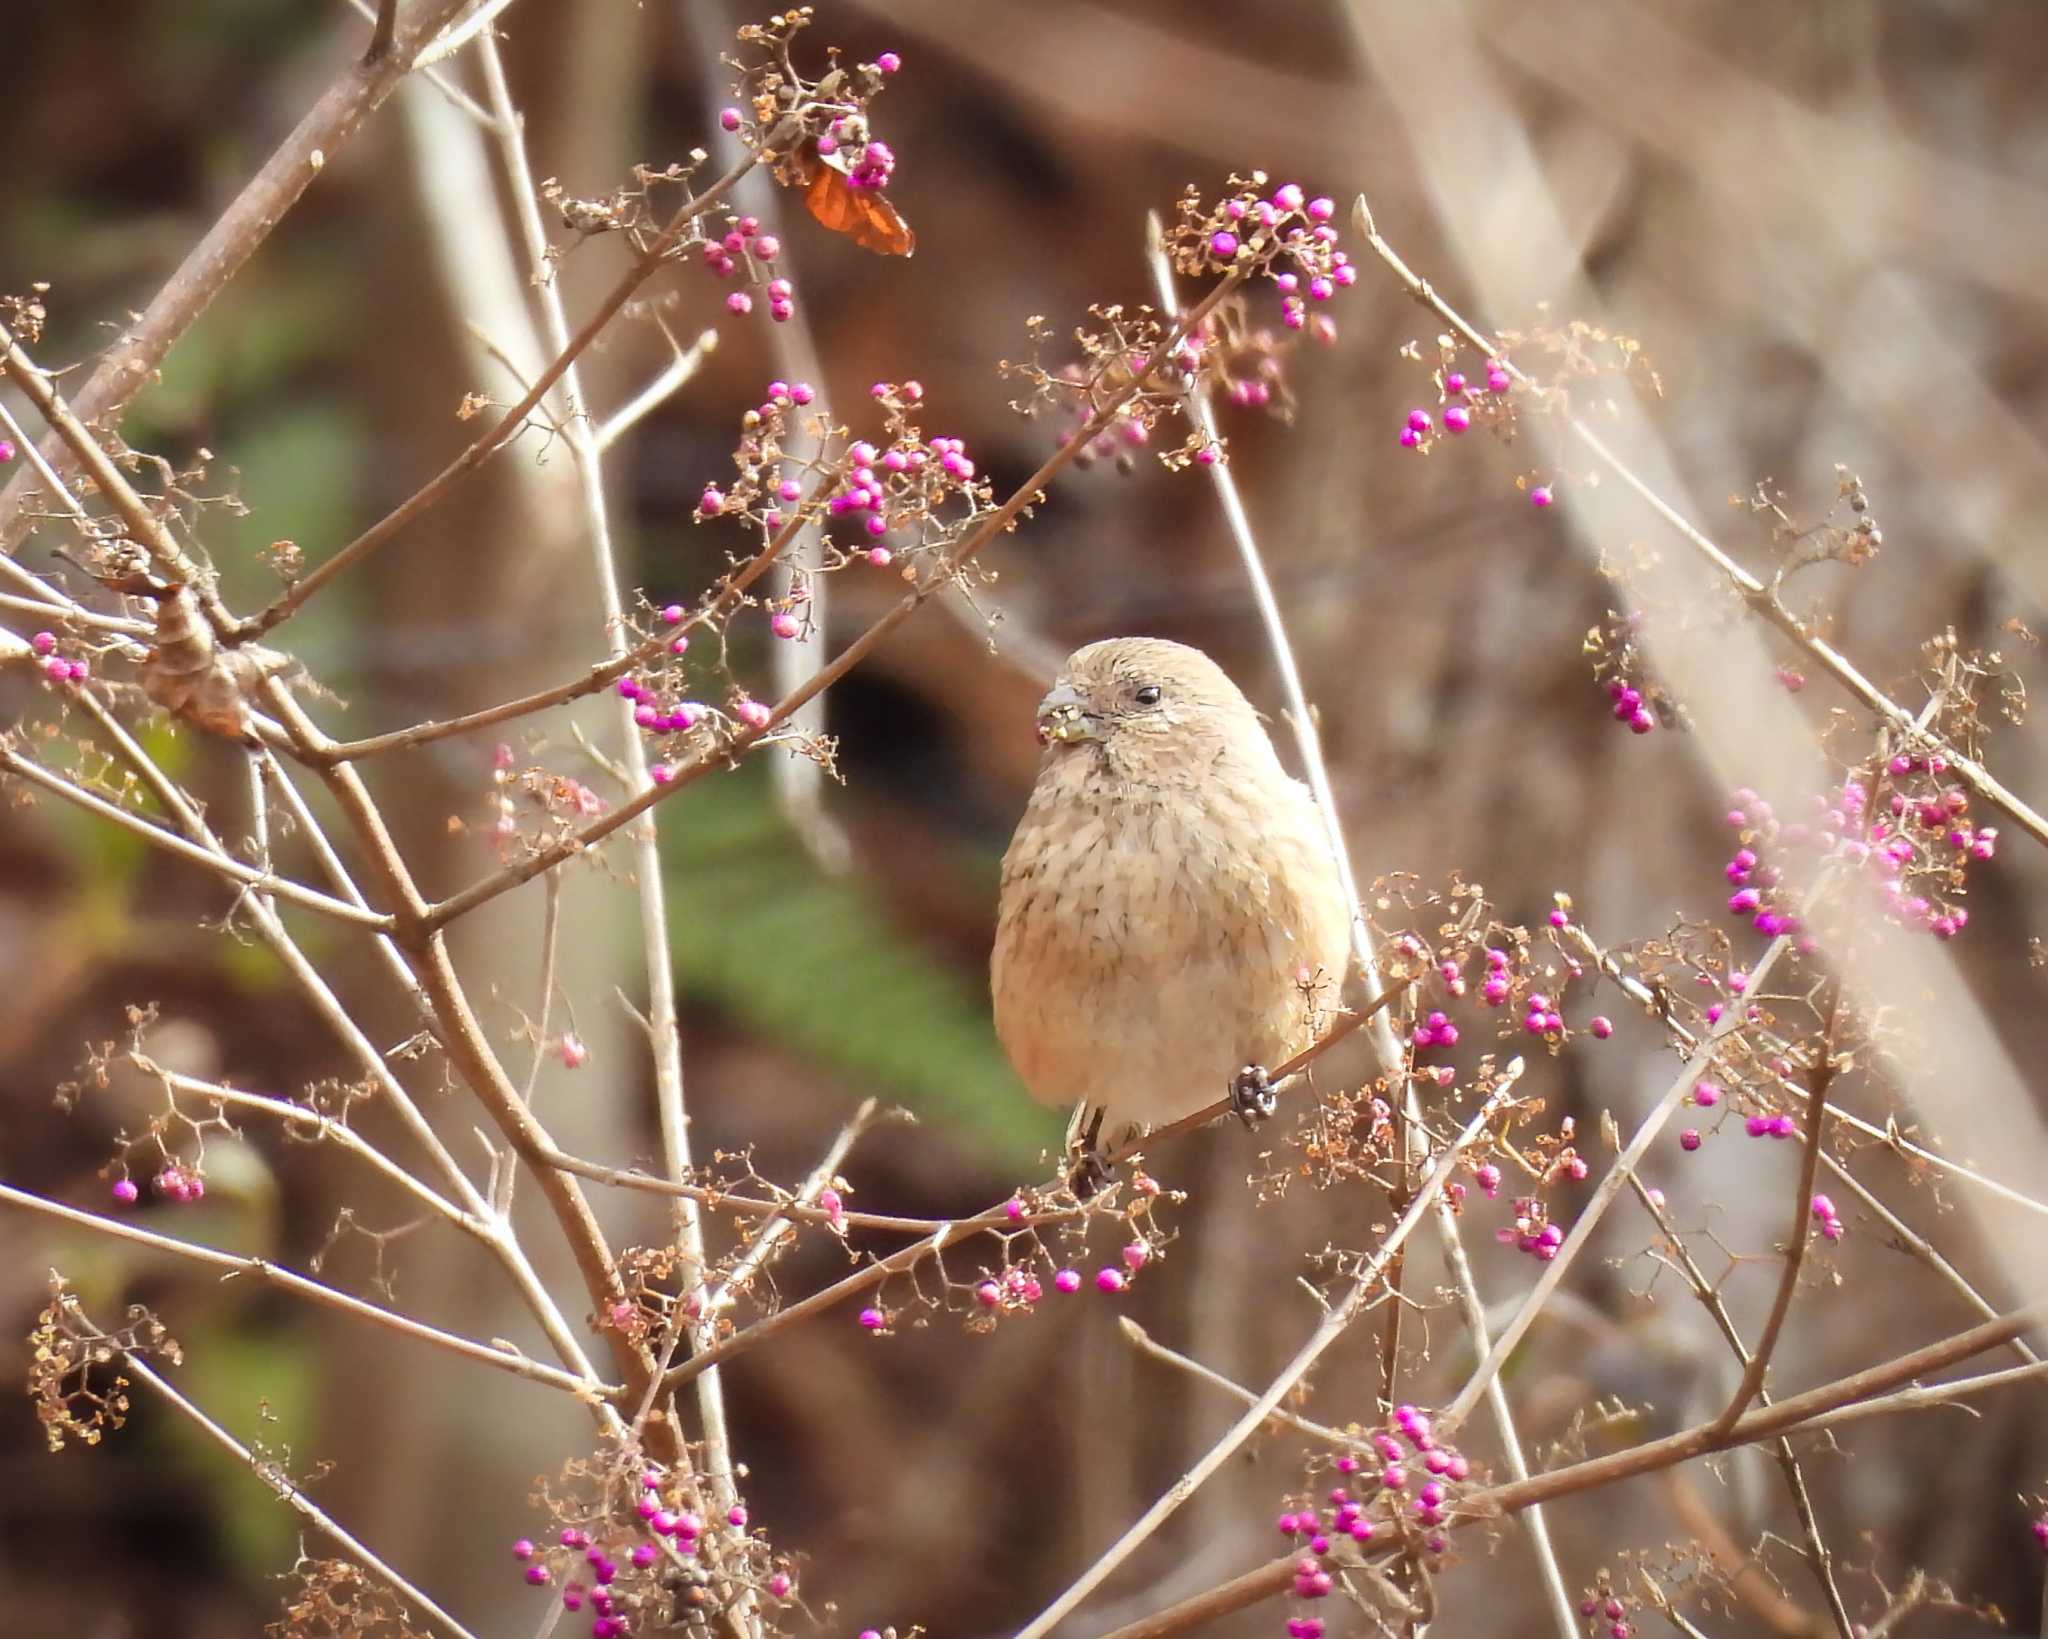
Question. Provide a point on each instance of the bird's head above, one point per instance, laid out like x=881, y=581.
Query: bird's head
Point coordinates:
x=1136, y=696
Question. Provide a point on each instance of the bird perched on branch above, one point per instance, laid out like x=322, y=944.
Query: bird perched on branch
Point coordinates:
x=1171, y=917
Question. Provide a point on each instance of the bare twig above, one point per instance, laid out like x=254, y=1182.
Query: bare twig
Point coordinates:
x=286, y=1280
x=1819, y=1077
x=328, y=126
x=274, y=1477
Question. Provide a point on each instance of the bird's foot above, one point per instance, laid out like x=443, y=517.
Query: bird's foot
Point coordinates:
x=1251, y=1095
x=1088, y=1173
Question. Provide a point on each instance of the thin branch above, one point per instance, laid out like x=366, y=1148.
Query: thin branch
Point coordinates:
x=1818, y=1558
x=286, y=1280
x=1336, y=1321
x=327, y=128
x=663, y=1028
x=763, y=1243
x=747, y=1206
x=285, y=1489
x=163, y=837
x=1144, y=1342
x=302, y=1122
x=676, y=375
x=1819, y=1076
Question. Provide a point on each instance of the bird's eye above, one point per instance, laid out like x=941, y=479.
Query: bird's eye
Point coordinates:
x=1147, y=694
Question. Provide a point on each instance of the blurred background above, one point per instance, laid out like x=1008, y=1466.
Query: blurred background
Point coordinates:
x=1825, y=224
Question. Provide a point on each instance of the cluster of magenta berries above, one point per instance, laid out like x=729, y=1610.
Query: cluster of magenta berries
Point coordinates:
x=1825, y=1218
x=745, y=245
x=590, y=1569
x=1629, y=706
x=1459, y=397
x=1405, y=1497
x=1606, y=1614
x=1540, y=1014
x=1532, y=1231
x=1920, y=835
x=56, y=667
x=875, y=487
x=1291, y=237
x=2040, y=1530
x=174, y=1181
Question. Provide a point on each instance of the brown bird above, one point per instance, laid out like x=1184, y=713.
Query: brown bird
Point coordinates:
x=1170, y=915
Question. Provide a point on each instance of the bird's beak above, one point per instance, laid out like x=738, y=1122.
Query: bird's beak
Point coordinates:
x=1062, y=716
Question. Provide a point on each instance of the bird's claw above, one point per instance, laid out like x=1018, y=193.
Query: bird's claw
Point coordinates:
x=1089, y=1175
x=1251, y=1095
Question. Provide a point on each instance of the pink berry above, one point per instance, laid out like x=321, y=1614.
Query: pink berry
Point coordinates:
x=988, y=1294
x=1223, y=245
x=729, y=118
x=785, y=624
x=739, y=302
x=873, y=1320
x=1457, y=418
x=888, y=62
x=1540, y=496
x=1068, y=1280
x=1420, y=420
x=1109, y=1280
x=1601, y=1026
x=712, y=501
x=125, y=1191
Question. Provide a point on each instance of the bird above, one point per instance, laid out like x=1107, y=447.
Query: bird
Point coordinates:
x=1171, y=919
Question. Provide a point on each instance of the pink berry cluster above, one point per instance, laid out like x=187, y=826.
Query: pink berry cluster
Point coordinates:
x=1913, y=852
x=1605, y=1611
x=1640, y=705
x=2040, y=1530
x=744, y=247
x=175, y=1181
x=1286, y=237
x=1825, y=1218
x=56, y=667
x=6, y=451
x=870, y=162
x=907, y=486
x=1404, y=1500
x=633, y=1572
x=1459, y=397
x=1532, y=1231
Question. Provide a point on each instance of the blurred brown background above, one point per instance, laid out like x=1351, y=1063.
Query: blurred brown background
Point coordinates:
x=1825, y=222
